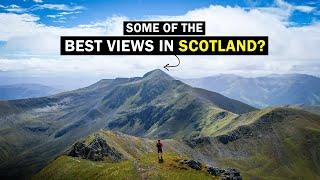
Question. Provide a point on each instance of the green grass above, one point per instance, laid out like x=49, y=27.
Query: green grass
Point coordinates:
x=147, y=166
x=171, y=168
x=210, y=126
x=285, y=148
x=74, y=168
x=288, y=150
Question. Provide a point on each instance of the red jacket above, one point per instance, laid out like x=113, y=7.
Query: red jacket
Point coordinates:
x=159, y=145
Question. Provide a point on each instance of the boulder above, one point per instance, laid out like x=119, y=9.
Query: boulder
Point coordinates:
x=225, y=174
x=231, y=174
x=215, y=171
x=79, y=149
x=192, y=163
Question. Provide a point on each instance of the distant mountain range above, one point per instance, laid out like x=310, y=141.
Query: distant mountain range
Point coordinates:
x=265, y=91
x=198, y=124
x=59, y=81
x=23, y=91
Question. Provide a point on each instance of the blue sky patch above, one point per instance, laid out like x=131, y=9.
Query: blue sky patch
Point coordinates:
x=72, y=13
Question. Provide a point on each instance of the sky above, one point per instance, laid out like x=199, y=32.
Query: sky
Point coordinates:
x=30, y=31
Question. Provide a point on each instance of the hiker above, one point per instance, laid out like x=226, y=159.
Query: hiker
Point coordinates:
x=159, y=147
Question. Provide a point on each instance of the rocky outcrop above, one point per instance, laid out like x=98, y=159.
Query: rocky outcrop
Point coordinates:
x=97, y=150
x=192, y=163
x=225, y=174
x=196, y=142
x=242, y=131
x=261, y=124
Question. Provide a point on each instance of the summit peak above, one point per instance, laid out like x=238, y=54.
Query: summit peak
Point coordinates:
x=156, y=73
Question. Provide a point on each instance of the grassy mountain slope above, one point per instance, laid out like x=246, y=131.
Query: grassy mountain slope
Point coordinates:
x=141, y=162
x=33, y=131
x=147, y=167
x=273, y=143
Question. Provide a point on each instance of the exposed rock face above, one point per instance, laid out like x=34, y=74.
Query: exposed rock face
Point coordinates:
x=225, y=173
x=242, y=131
x=215, y=171
x=263, y=123
x=194, y=142
x=192, y=163
x=97, y=150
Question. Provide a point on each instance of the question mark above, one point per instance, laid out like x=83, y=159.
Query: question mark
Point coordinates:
x=262, y=42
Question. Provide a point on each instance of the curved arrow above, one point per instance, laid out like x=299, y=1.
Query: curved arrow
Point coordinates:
x=168, y=65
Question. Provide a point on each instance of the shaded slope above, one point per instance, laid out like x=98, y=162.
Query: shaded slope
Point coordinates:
x=273, y=143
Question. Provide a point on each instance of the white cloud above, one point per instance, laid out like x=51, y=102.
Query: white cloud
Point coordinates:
x=284, y=5
x=60, y=7
x=62, y=14
x=69, y=9
x=58, y=17
x=292, y=49
x=38, y=1
x=13, y=8
x=306, y=9
x=17, y=25
x=69, y=13
x=22, y=31
x=53, y=16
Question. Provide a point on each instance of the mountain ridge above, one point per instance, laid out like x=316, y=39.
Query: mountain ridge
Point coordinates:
x=200, y=124
x=263, y=144
x=155, y=105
